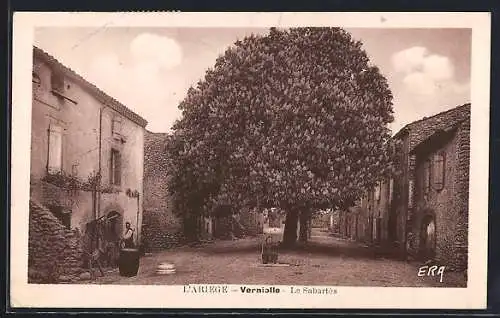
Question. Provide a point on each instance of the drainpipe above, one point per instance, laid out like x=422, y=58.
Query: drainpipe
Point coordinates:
x=99, y=165
x=137, y=221
x=98, y=183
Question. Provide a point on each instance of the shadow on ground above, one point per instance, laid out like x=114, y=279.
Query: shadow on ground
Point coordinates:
x=335, y=247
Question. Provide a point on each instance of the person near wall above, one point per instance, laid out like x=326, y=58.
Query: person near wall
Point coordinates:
x=128, y=236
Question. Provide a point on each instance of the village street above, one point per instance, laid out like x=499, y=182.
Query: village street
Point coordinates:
x=326, y=260
x=289, y=134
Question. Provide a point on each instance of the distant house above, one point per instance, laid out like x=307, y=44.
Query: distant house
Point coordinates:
x=86, y=154
x=432, y=191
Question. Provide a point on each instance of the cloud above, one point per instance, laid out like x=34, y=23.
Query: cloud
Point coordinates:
x=408, y=60
x=162, y=51
x=426, y=74
x=142, y=78
x=438, y=67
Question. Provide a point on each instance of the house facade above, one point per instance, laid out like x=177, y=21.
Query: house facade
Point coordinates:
x=429, y=195
x=439, y=223
x=87, y=153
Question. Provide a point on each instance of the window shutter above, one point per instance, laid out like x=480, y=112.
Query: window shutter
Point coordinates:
x=55, y=149
x=439, y=172
x=118, y=168
x=427, y=176
x=410, y=193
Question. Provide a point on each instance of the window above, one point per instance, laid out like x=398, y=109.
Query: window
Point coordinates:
x=54, y=163
x=439, y=172
x=426, y=182
x=115, y=173
x=116, y=126
x=57, y=82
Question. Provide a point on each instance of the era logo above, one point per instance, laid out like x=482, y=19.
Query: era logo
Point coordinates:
x=430, y=271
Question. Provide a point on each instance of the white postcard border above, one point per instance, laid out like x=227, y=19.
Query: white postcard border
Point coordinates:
x=130, y=296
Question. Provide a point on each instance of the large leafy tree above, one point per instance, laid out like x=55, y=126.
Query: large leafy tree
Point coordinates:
x=296, y=119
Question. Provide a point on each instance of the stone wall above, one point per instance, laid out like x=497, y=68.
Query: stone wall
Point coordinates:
x=159, y=232
x=163, y=228
x=462, y=201
x=448, y=206
x=403, y=206
x=55, y=254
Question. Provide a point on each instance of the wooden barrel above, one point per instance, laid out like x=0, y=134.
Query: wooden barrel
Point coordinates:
x=128, y=263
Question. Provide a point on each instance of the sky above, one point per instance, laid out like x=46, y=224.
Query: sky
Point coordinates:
x=150, y=69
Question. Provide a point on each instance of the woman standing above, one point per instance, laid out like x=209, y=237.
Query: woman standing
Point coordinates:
x=128, y=237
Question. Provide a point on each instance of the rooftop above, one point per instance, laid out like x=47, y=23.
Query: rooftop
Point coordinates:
x=407, y=127
x=94, y=90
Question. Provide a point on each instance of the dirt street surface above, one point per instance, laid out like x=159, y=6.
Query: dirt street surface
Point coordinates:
x=324, y=261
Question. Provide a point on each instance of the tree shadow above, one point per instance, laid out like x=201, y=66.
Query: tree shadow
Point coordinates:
x=335, y=248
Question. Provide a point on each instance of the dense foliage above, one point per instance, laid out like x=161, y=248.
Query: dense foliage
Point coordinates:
x=296, y=119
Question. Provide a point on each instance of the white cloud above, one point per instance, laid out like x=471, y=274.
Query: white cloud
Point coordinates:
x=140, y=86
x=418, y=81
x=438, y=67
x=408, y=60
x=160, y=50
x=427, y=74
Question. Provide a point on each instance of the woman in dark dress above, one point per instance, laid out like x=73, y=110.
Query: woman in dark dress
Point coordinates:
x=128, y=237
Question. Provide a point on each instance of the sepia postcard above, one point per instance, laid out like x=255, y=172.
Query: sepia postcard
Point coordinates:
x=250, y=160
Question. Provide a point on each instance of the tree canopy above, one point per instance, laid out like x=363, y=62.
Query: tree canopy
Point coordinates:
x=294, y=118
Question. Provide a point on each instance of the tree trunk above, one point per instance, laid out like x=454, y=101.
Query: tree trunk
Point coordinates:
x=290, y=234
x=304, y=227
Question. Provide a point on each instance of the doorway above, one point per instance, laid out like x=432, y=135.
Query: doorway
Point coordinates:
x=428, y=238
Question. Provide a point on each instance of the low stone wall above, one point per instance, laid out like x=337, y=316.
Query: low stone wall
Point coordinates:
x=55, y=253
x=160, y=230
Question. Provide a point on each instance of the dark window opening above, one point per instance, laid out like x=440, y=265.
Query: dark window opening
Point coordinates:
x=113, y=227
x=57, y=82
x=61, y=215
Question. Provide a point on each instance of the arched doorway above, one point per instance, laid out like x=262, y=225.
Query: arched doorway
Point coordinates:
x=112, y=232
x=114, y=226
x=428, y=237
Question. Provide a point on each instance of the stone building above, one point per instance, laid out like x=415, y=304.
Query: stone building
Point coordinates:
x=86, y=155
x=439, y=220
x=398, y=209
x=162, y=228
